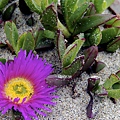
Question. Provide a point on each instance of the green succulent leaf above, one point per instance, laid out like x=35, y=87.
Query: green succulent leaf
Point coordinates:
x=61, y=46
x=71, y=52
x=34, y=5
x=110, y=22
x=3, y=60
x=108, y=34
x=112, y=85
x=3, y=3
x=110, y=82
x=98, y=66
x=114, y=45
x=116, y=23
x=46, y=3
x=91, y=10
x=39, y=6
x=26, y=42
x=43, y=38
x=118, y=73
x=94, y=38
x=7, y=13
x=102, y=5
x=69, y=6
x=11, y=33
x=76, y=15
x=89, y=22
x=73, y=67
x=49, y=18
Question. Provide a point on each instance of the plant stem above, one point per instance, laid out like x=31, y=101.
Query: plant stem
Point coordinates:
x=63, y=29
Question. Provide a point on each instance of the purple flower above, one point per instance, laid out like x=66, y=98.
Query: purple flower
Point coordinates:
x=23, y=86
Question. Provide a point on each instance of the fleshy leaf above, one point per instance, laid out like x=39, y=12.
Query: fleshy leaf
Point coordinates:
x=93, y=83
x=46, y=3
x=71, y=52
x=91, y=10
x=114, y=45
x=94, y=37
x=11, y=33
x=116, y=23
x=90, y=55
x=43, y=39
x=76, y=15
x=108, y=34
x=39, y=6
x=69, y=6
x=8, y=11
x=74, y=66
x=89, y=22
x=98, y=66
x=34, y=5
x=3, y=3
x=26, y=42
x=101, y=5
x=110, y=81
x=49, y=18
x=118, y=73
x=24, y=8
x=58, y=80
x=61, y=46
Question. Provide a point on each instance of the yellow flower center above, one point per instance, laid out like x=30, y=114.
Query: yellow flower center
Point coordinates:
x=19, y=88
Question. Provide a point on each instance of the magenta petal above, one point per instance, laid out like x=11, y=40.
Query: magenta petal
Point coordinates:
x=35, y=70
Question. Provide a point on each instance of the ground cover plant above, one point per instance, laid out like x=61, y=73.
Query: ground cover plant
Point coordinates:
x=78, y=30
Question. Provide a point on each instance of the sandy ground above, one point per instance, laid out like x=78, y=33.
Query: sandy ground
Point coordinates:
x=68, y=108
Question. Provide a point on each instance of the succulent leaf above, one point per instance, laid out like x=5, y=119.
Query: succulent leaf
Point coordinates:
x=93, y=83
x=108, y=34
x=11, y=33
x=58, y=80
x=71, y=52
x=116, y=23
x=112, y=85
x=39, y=6
x=98, y=66
x=101, y=5
x=8, y=11
x=110, y=82
x=89, y=22
x=3, y=3
x=94, y=37
x=114, y=45
x=69, y=7
x=26, y=42
x=24, y=8
x=91, y=10
x=43, y=39
x=49, y=18
x=60, y=44
x=74, y=66
x=46, y=3
x=34, y=5
x=76, y=15
x=118, y=73
x=90, y=55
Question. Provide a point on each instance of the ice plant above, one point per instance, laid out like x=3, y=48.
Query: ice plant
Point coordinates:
x=23, y=86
